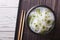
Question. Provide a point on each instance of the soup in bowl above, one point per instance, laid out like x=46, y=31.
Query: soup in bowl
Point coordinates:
x=40, y=19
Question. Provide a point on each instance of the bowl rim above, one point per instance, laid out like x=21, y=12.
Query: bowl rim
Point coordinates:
x=34, y=7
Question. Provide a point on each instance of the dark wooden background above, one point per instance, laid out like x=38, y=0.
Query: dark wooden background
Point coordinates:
x=55, y=6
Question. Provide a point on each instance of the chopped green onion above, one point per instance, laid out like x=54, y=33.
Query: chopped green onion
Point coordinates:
x=44, y=27
x=38, y=11
x=48, y=22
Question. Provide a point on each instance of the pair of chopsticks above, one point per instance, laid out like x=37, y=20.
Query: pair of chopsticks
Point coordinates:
x=21, y=26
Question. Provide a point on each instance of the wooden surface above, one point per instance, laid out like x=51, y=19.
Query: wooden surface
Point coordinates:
x=55, y=6
x=8, y=16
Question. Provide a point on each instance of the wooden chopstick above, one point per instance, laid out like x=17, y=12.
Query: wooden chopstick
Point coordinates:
x=20, y=26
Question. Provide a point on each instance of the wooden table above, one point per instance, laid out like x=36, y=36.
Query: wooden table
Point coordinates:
x=55, y=6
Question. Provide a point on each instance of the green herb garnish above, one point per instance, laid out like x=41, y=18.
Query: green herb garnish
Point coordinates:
x=44, y=27
x=47, y=11
x=37, y=27
x=48, y=22
x=38, y=11
x=29, y=18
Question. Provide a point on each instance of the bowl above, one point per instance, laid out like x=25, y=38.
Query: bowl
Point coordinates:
x=34, y=7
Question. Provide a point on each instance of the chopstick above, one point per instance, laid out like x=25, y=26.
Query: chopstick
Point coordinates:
x=19, y=31
x=21, y=26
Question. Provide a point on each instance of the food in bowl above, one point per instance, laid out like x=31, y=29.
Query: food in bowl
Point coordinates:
x=41, y=20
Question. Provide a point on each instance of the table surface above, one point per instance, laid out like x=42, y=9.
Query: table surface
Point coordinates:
x=55, y=6
x=8, y=16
